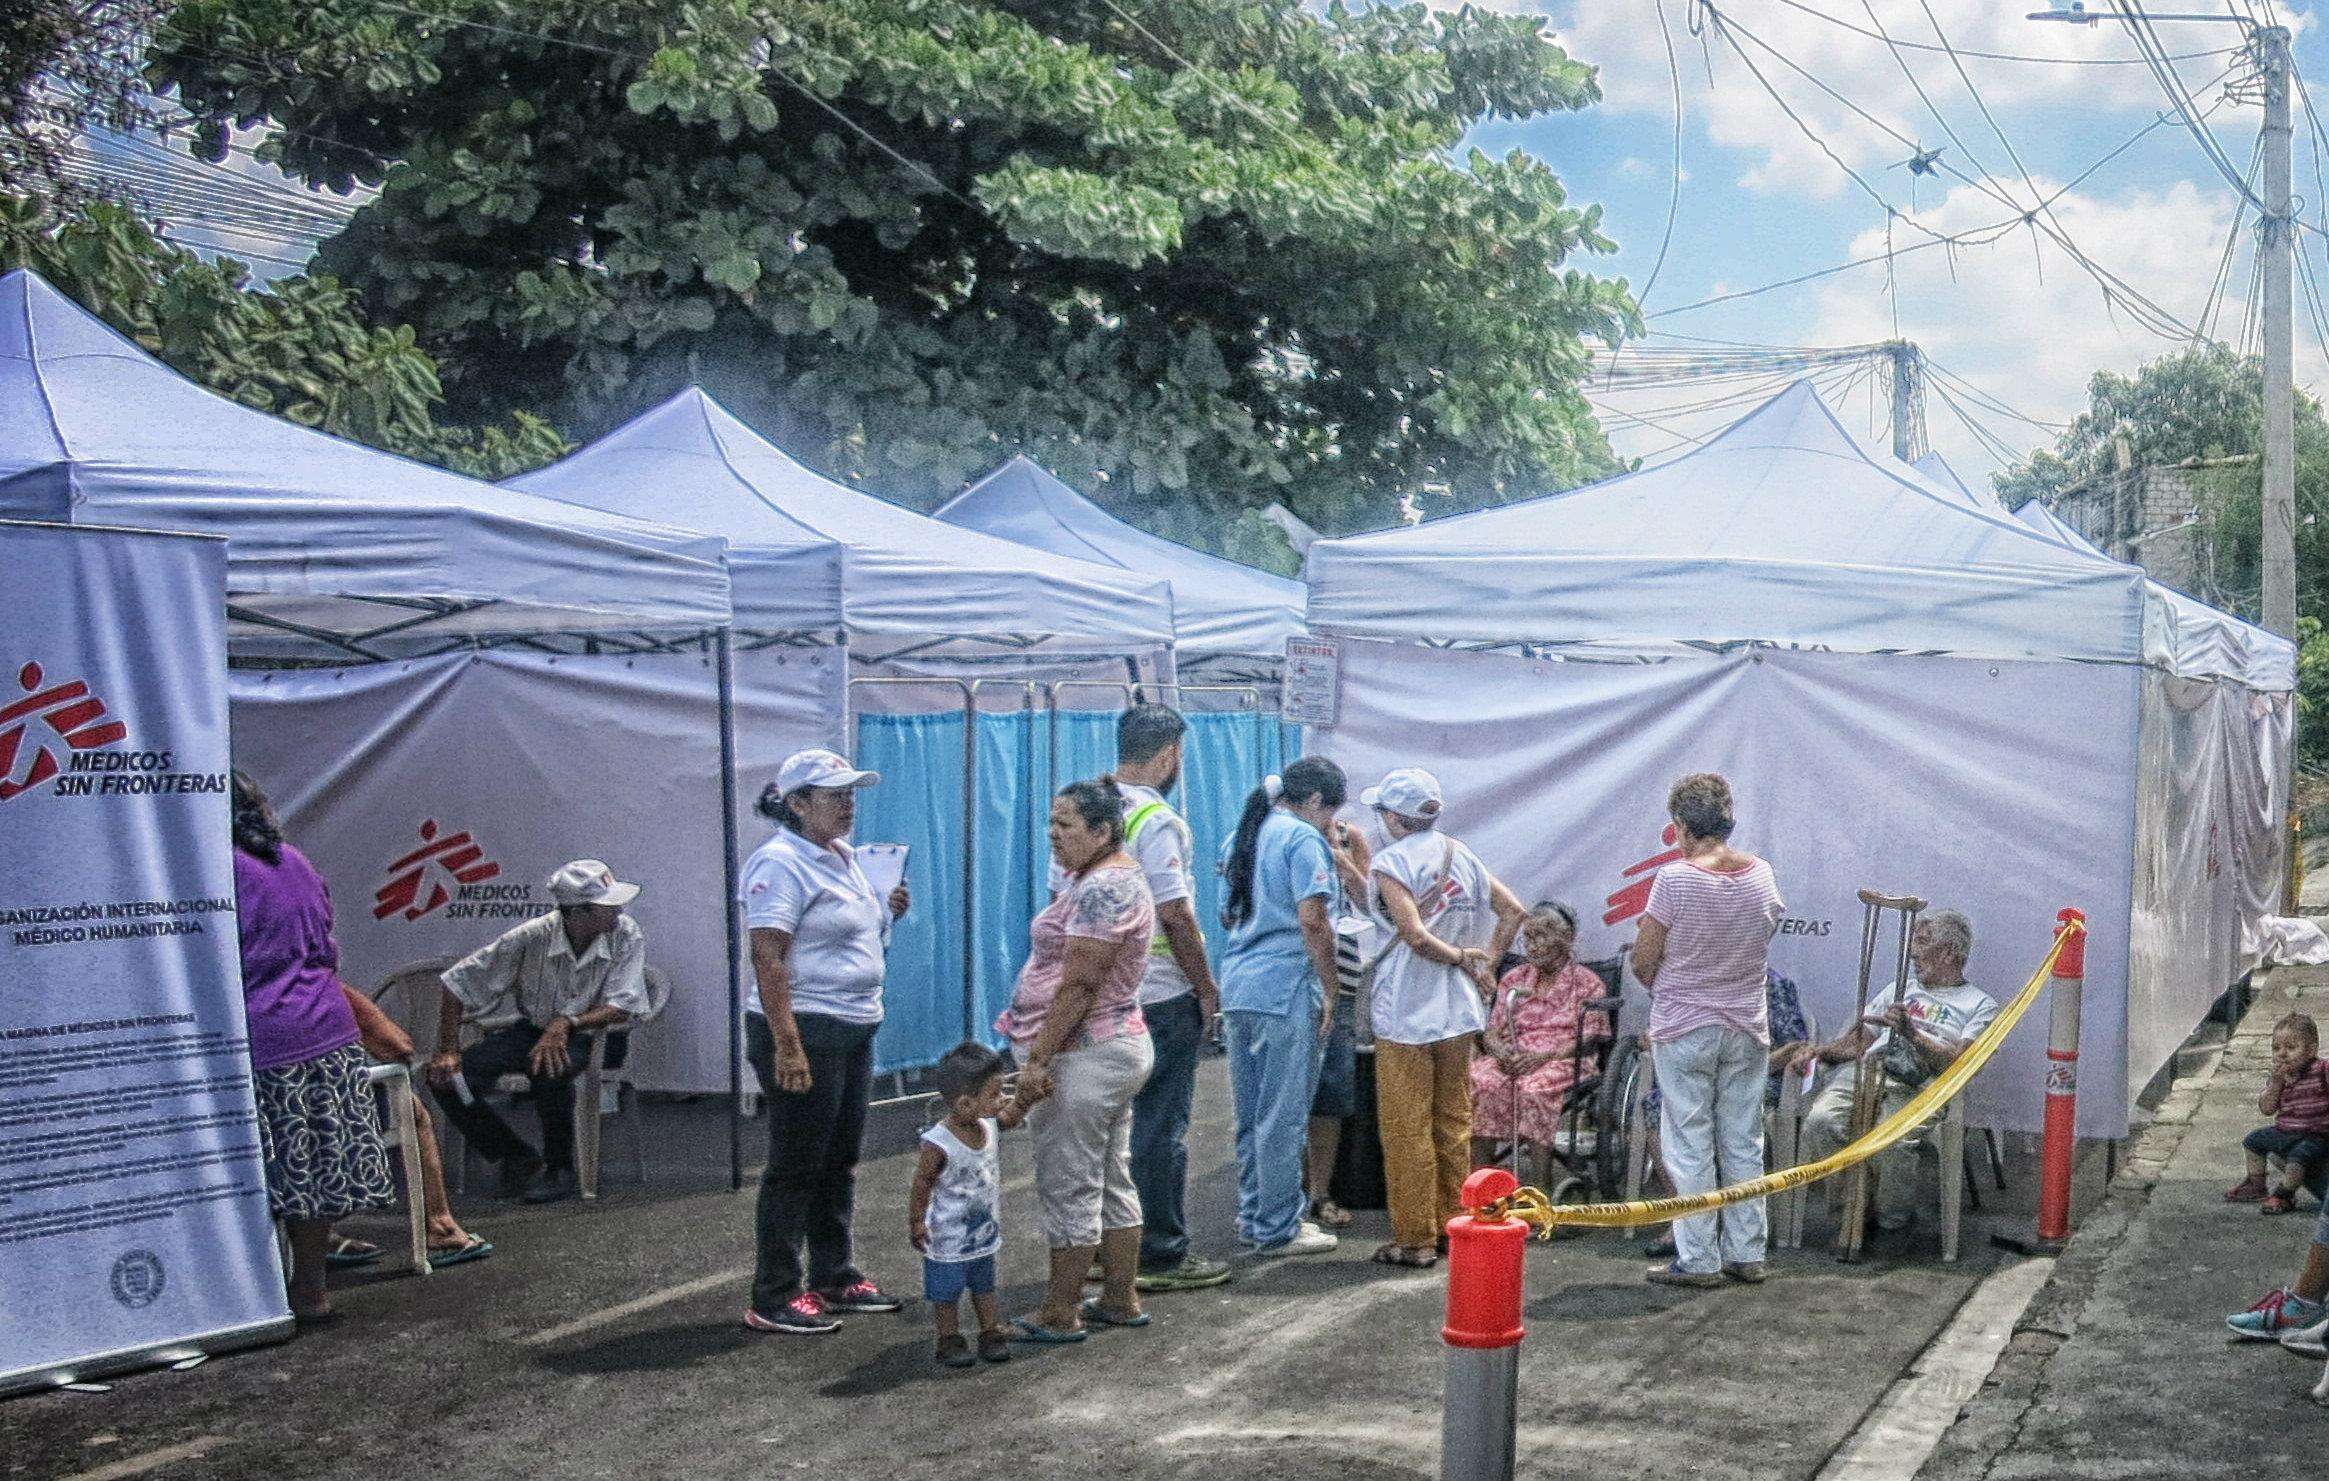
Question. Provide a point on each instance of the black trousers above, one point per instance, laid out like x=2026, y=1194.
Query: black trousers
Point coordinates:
x=808, y=1191
x=504, y=1051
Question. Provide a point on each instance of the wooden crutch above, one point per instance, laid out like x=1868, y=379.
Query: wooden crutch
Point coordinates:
x=1868, y=1076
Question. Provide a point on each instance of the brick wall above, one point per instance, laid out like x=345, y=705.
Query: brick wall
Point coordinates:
x=2122, y=511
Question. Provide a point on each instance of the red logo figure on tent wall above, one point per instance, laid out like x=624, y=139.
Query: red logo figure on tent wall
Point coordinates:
x=416, y=882
x=71, y=713
x=1632, y=899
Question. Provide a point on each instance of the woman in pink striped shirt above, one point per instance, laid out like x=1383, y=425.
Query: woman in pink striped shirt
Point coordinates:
x=1702, y=952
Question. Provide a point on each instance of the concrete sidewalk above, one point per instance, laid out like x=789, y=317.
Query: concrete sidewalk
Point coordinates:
x=2122, y=1366
x=603, y=1341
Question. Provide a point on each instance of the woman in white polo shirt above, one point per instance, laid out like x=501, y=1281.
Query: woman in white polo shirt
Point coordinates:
x=819, y=937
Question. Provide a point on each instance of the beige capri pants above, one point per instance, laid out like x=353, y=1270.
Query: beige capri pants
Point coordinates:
x=1083, y=1140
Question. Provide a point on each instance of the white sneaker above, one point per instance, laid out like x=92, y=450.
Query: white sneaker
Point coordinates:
x=1307, y=1240
x=2312, y=1341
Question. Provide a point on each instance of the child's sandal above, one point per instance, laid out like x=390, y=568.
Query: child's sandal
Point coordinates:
x=2276, y=1203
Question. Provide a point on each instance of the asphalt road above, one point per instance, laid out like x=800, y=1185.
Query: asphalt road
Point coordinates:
x=603, y=1340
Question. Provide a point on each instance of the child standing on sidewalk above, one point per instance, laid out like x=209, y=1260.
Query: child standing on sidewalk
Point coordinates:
x=953, y=1215
x=2297, y=1098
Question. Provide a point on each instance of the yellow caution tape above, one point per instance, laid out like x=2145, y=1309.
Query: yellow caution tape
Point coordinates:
x=1532, y=1207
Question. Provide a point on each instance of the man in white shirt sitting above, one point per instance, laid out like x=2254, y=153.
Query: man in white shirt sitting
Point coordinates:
x=538, y=992
x=1913, y=1031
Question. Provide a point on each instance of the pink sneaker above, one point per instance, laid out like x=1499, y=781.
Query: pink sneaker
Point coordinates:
x=803, y=1315
x=859, y=1296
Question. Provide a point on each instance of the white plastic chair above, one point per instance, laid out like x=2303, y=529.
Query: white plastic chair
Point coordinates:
x=404, y=1129
x=1945, y=1137
x=590, y=1087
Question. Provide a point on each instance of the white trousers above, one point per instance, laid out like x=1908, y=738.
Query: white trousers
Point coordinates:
x=1710, y=1122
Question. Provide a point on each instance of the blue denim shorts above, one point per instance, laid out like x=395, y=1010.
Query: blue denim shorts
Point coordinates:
x=1338, y=1073
x=944, y=1281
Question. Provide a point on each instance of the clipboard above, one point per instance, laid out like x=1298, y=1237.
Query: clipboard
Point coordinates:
x=884, y=865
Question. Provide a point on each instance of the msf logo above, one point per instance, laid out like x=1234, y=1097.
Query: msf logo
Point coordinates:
x=1633, y=898
x=70, y=713
x=417, y=883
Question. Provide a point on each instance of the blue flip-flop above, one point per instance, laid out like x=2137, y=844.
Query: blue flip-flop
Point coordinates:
x=1099, y=1315
x=475, y=1249
x=1028, y=1329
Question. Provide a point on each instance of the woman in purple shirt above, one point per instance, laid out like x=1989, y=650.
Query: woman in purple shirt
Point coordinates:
x=325, y=1157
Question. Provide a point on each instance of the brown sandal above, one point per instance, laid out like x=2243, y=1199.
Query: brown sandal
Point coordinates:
x=1330, y=1215
x=1405, y=1257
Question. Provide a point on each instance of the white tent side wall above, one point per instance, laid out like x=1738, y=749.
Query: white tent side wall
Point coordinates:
x=1556, y=772
x=2210, y=793
x=536, y=760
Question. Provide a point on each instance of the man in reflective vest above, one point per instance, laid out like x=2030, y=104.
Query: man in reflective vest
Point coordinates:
x=1177, y=996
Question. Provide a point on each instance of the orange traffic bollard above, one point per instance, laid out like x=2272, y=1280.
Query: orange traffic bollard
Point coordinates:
x=2061, y=1136
x=1482, y=1332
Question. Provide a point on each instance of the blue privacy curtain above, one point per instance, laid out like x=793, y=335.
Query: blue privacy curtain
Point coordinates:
x=919, y=803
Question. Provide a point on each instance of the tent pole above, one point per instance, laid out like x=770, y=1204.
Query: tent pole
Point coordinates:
x=724, y=663
x=970, y=828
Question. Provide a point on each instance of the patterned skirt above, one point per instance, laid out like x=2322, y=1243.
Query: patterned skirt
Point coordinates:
x=321, y=1131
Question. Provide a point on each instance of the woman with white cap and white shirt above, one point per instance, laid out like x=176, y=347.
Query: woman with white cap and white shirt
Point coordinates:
x=1453, y=921
x=819, y=939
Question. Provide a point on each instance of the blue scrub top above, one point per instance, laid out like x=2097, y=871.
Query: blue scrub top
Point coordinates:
x=1265, y=968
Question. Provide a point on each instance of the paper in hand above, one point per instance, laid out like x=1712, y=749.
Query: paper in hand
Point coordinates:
x=884, y=865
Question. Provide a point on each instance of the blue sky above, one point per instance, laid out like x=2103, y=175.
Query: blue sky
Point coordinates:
x=2018, y=318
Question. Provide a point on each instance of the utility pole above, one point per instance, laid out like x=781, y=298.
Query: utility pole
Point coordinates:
x=2276, y=248
x=1907, y=398
x=2268, y=48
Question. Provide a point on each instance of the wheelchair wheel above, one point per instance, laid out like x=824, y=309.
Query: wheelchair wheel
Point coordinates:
x=1614, y=1111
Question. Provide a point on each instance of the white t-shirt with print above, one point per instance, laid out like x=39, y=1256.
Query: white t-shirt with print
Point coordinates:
x=965, y=1221
x=1954, y=1013
x=1422, y=1002
x=1162, y=846
x=840, y=931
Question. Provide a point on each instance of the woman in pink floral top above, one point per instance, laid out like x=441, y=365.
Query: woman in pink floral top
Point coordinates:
x=1083, y=1046
x=1533, y=1035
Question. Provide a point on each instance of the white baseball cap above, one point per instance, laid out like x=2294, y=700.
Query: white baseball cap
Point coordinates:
x=820, y=769
x=1410, y=792
x=588, y=882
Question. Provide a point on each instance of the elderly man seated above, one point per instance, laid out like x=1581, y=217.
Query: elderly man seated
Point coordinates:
x=577, y=970
x=1911, y=1033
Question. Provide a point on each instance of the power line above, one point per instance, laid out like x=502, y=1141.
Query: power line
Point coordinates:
x=1674, y=196
x=2147, y=313
x=2002, y=56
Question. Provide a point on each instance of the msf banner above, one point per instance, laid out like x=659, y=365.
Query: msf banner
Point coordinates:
x=133, y=1198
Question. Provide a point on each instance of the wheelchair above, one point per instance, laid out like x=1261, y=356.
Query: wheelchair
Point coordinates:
x=1586, y=1160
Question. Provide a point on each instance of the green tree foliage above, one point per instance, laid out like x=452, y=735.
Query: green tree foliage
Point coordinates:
x=299, y=347
x=66, y=65
x=2200, y=403
x=2206, y=402
x=2312, y=692
x=1195, y=255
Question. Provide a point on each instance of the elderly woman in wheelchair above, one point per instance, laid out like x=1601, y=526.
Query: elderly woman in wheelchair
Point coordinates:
x=1540, y=1035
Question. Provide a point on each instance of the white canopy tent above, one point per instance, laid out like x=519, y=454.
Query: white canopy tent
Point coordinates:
x=328, y=541
x=353, y=575
x=860, y=626
x=2201, y=641
x=1936, y=468
x=898, y=578
x=1224, y=612
x=1906, y=690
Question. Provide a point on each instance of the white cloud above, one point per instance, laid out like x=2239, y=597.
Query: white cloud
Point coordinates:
x=2021, y=319
x=2018, y=317
x=1622, y=38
